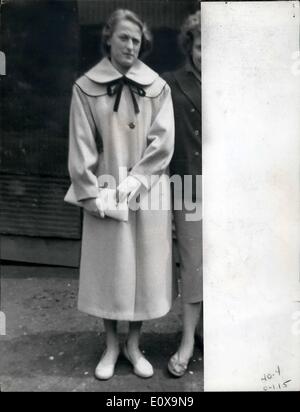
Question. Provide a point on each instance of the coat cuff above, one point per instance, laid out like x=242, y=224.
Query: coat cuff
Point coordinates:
x=86, y=193
x=76, y=194
x=143, y=179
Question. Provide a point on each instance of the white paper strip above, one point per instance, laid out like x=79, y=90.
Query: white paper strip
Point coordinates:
x=251, y=191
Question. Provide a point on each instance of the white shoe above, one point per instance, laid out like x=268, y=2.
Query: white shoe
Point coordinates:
x=105, y=372
x=141, y=367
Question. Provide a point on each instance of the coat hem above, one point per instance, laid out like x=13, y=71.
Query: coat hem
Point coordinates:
x=121, y=316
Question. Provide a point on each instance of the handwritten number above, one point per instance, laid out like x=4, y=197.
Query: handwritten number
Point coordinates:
x=285, y=383
x=264, y=378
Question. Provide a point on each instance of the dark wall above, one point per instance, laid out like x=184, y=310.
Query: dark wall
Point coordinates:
x=41, y=42
x=48, y=44
x=164, y=18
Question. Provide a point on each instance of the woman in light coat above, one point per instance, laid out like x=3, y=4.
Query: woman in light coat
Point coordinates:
x=185, y=85
x=122, y=120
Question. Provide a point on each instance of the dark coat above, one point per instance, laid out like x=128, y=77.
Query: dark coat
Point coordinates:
x=186, y=96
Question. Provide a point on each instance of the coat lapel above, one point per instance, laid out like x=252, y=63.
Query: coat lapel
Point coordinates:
x=186, y=82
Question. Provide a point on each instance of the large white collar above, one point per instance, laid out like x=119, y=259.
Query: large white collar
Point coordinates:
x=105, y=72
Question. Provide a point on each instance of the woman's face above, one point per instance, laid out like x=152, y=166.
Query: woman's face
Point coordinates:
x=196, y=53
x=125, y=44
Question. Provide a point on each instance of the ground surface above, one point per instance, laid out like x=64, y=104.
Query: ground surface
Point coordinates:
x=51, y=346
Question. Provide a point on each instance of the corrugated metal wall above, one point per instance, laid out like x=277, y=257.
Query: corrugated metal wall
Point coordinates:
x=41, y=41
x=33, y=207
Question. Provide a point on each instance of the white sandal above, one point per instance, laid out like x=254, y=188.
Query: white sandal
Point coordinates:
x=177, y=367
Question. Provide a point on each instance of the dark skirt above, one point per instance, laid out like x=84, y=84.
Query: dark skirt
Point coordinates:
x=189, y=246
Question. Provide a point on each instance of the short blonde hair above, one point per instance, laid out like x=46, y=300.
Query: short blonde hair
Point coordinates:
x=114, y=19
x=190, y=29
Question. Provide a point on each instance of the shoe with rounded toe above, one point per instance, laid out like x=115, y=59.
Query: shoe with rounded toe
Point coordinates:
x=141, y=367
x=105, y=372
x=176, y=366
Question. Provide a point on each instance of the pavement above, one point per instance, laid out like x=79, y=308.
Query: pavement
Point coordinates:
x=50, y=346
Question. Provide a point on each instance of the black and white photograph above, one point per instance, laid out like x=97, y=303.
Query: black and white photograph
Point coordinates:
x=149, y=198
x=91, y=252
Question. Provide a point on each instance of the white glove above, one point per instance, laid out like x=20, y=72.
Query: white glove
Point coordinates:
x=91, y=206
x=104, y=200
x=128, y=188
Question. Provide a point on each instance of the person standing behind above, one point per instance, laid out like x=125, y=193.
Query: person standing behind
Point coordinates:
x=185, y=86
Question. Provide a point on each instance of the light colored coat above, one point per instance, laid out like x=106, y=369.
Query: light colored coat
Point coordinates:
x=126, y=267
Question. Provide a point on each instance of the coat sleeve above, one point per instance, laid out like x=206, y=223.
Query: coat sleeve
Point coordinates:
x=83, y=153
x=159, y=151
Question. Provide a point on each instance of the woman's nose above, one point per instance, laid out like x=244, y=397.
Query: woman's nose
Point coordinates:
x=130, y=44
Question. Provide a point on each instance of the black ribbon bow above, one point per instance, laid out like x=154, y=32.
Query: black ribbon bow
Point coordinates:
x=115, y=87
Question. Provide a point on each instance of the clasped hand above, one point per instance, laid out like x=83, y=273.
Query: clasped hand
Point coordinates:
x=127, y=189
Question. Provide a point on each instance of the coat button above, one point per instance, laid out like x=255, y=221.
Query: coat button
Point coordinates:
x=196, y=153
x=131, y=125
x=197, y=132
x=192, y=110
